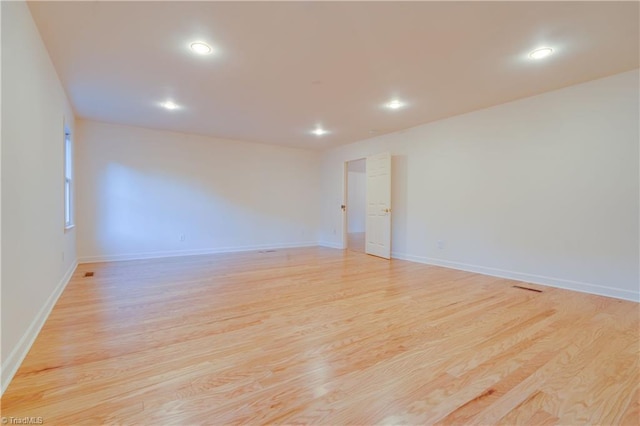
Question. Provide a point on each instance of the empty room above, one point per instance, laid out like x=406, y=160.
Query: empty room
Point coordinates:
x=328, y=213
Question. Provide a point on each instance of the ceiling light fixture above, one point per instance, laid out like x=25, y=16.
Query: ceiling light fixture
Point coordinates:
x=543, y=52
x=201, y=48
x=169, y=105
x=395, y=104
x=319, y=131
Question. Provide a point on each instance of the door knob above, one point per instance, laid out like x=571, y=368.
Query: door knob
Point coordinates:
x=387, y=210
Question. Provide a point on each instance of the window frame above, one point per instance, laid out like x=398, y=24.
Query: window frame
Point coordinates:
x=67, y=180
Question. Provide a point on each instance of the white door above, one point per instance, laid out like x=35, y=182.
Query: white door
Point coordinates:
x=378, y=235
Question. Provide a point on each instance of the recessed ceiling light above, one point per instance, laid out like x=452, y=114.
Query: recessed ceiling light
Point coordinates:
x=395, y=104
x=201, y=48
x=319, y=131
x=169, y=105
x=543, y=52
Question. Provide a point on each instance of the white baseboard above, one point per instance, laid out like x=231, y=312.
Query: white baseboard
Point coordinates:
x=176, y=253
x=17, y=355
x=521, y=276
x=330, y=245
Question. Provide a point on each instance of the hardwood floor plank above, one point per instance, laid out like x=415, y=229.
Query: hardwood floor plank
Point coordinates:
x=323, y=336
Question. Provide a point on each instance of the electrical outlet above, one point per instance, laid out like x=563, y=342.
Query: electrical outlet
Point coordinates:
x=440, y=244
x=182, y=237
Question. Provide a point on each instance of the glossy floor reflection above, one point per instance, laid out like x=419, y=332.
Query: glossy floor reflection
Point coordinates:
x=324, y=336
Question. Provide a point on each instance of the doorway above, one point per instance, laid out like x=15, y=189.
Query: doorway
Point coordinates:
x=356, y=204
x=366, y=208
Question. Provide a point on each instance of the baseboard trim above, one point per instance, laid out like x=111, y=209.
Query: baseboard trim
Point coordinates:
x=177, y=253
x=17, y=355
x=330, y=245
x=530, y=278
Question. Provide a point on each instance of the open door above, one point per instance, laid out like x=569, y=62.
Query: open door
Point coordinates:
x=378, y=222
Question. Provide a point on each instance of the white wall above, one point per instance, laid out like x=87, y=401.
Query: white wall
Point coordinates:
x=543, y=189
x=139, y=190
x=37, y=254
x=356, y=201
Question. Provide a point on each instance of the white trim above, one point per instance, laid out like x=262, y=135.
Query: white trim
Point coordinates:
x=331, y=245
x=17, y=355
x=582, y=287
x=68, y=152
x=176, y=253
x=345, y=201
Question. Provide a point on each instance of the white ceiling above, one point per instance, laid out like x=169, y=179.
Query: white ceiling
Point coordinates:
x=282, y=68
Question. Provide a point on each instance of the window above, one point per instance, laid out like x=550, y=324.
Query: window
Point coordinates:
x=68, y=180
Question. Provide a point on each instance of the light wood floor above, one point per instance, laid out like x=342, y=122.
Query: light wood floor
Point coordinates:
x=356, y=241
x=325, y=336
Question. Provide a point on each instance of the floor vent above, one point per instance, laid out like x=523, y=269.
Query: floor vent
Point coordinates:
x=527, y=288
x=88, y=274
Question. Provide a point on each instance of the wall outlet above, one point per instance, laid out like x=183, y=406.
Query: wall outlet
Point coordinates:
x=440, y=244
x=182, y=237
